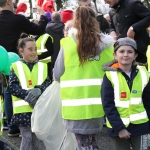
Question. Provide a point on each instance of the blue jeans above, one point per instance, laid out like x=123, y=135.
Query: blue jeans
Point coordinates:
x=8, y=108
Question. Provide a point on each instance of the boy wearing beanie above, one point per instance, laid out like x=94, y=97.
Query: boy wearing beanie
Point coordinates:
x=125, y=98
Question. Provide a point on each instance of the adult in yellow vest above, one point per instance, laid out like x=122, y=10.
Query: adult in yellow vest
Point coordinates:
x=79, y=69
x=28, y=79
x=125, y=97
x=44, y=45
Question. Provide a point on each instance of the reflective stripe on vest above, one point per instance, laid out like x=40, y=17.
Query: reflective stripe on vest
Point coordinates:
x=126, y=105
x=148, y=57
x=23, y=78
x=40, y=43
x=81, y=85
x=41, y=51
x=115, y=81
x=20, y=105
x=81, y=102
x=83, y=82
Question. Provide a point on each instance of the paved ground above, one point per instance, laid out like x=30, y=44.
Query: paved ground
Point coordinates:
x=103, y=139
x=13, y=141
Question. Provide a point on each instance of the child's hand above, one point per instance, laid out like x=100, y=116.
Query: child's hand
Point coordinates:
x=124, y=134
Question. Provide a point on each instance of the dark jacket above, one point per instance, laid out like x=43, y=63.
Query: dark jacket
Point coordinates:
x=107, y=94
x=55, y=29
x=133, y=13
x=12, y=25
x=103, y=24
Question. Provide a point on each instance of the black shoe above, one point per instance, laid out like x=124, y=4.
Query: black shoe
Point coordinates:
x=13, y=133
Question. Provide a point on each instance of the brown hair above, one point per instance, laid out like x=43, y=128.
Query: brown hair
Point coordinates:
x=88, y=33
x=56, y=16
x=22, y=42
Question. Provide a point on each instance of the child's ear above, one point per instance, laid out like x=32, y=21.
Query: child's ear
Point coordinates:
x=136, y=55
x=21, y=51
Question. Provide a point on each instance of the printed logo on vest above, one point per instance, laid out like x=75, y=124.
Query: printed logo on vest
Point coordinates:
x=134, y=91
x=123, y=94
x=92, y=58
x=30, y=82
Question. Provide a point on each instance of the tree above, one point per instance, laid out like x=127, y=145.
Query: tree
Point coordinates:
x=59, y=4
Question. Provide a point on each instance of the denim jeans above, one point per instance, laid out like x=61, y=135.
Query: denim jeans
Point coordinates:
x=8, y=108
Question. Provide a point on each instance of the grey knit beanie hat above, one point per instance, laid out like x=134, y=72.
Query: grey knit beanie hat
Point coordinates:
x=125, y=41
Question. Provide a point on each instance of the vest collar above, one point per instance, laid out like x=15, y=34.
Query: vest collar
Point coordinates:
x=114, y=66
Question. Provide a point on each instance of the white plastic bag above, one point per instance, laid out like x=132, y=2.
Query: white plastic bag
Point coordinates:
x=47, y=122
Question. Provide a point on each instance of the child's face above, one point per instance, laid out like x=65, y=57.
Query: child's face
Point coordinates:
x=125, y=55
x=68, y=25
x=29, y=53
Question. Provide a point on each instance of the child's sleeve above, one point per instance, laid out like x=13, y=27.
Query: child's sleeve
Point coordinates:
x=59, y=67
x=14, y=87
x=107, y=95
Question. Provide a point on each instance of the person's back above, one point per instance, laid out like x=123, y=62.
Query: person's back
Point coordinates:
x=55, y=29
x=79, y=69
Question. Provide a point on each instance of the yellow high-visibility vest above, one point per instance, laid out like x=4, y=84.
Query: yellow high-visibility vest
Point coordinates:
x=27, y=79
x=40, y=43
x=81, y=85
x=129, y=104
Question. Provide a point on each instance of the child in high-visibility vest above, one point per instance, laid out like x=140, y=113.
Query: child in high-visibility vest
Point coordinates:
x=28, y=79
x=125, y=98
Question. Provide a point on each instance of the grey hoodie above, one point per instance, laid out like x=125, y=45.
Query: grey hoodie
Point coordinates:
x=88, y=126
